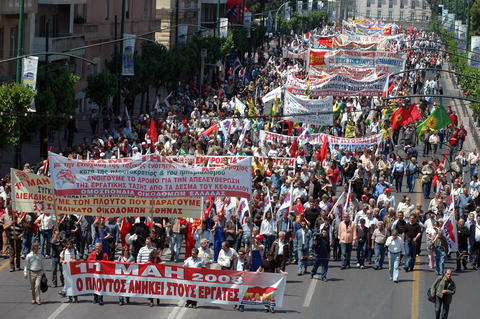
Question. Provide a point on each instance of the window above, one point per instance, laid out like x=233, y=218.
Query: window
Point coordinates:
x=13, y=41
x=424, y=5
x=368, y=14
x=1, y=43
x=390, y=15
x=145, y=9
x=368, y=3
x=107, y=9
x=413, y=4
x=127, y=10
x=402, y=4
x=401, y=16
x=379, y=14
x=379, y=3
x=390, y=4
x=412, y=15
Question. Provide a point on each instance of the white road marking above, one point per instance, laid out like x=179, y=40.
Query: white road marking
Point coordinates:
x=311, y=290
x=180, y=309
x=58, y=311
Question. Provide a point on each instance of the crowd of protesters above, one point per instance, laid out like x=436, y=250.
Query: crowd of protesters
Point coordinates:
x=375, y=227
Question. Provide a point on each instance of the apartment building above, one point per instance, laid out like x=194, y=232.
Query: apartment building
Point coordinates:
x=403, y=11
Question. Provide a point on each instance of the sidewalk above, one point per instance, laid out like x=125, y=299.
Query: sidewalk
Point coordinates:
x=31, y=152
x=464, y=112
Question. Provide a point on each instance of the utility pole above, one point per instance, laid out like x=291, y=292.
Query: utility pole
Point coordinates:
x=44, y=129
x=468, y=25
x=218, y=17
x=122, y=31
x=19, y=70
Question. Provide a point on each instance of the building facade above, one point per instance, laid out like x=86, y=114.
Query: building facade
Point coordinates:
x=402, y=11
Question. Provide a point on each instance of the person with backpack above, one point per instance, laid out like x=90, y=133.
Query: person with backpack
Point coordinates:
x=443, y=288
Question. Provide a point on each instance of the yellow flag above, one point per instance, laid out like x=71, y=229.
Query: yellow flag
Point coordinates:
x=252, y=111
x=350, y=131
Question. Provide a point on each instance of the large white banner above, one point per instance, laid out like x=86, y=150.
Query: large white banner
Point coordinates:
x=148, y=176
x=349, y=144
x=270, y=96
x=395, y=62
x=33, y=193
x=317, y=112
x=354, y=73
x=108, y=278
x=338, y=85
x=219, y=160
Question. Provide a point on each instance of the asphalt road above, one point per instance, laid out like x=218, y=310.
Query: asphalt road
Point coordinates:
x=348, y=293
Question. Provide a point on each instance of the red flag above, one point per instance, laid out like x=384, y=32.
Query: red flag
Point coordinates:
x=45, y=166
x=400, y=118
x=290, y=127
x=152, y=133
x=207, y=211
x=293, y=148
x=324, y=149
x=444, y=158
x=210, y=130
x=415, y=112
x=391, y=87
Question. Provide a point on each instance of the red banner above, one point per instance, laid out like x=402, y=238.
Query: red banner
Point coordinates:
x=174, y=282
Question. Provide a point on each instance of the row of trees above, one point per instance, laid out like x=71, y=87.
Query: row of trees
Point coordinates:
x=156, y=66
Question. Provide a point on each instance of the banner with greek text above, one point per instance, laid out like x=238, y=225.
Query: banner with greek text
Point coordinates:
x=219, y=160
x=33, y=193
x=306, y=110
x=395, y=62
x=338, y=85
x=269, y=137
x=349, y=144
x=270, y=96
x=148, y=176
x=162, y=281
x=128, y=53
x=354, y=73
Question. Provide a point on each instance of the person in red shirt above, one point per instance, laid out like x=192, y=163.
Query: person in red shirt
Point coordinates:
x=462, y=134
x=453, y=144
x=333, y=175
x=454, y=118
x=98, y=255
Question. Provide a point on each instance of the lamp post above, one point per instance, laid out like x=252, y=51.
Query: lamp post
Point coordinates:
x=276, y=15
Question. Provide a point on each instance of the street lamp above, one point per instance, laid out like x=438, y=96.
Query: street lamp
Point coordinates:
x=72, y=64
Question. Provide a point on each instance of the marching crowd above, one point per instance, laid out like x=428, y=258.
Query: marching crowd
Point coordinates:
x=268, y=237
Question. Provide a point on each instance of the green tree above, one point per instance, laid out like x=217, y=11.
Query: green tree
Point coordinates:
x=101, y=88
x=13, y=98
x=475, y=18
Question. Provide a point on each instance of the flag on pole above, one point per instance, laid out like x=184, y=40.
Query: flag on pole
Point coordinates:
x=450, y=207
x=268, y=203
x=152, y=132
x=45, y=166
x=338, y=207
x=166, y=100
x=437, y=120
x=242, y=209
x=225, y=126
x=207, y=211
x=287, y=203
x=324, y=149
x=240, y=106
x=347, y=208
x=241, y=139
x=450, y=232
x=304, y=137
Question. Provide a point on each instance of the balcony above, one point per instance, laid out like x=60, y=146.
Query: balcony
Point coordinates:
x=13, y=6
x=59, y=44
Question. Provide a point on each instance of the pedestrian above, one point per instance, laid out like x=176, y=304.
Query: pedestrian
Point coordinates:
x=321, y=250
x=15, y=231
x=462, y=253
x=67, y=255
x=57, y=247
x=411, y=235
x=270, y=265
x=98, y=255
x=35, y=270
x=282, y=250
x=440, y=245
x=241, y=264
x=443, y=288
x=347, y=235
x=379, y=238
x=125, y=257
x=155, y=258
x=475, y=242
x=45, y=224
x=193, y=262
x=395, y=249
x=302, y=244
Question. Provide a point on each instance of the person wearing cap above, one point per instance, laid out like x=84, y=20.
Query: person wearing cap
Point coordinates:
x=387, y=195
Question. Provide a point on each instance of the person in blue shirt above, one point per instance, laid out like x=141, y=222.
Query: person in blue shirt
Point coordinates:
x=277, y=180
x=398, y=171
x=380, y=187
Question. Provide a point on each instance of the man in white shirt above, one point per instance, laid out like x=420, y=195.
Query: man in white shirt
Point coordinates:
x=45, y=222
x=193, y=262
x=387, y=195
x=406, y=207
x=144, y=252
x=268, y=229
x=395, y=248
x=67, y=255
x=226, y=256
x=34, y=268
x=472, y=161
